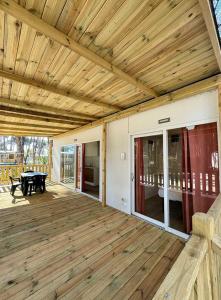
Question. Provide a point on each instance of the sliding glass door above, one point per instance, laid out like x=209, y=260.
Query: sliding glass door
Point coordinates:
x=68, y=160
x=149, y=176
x=193, y=173
x=176, y=173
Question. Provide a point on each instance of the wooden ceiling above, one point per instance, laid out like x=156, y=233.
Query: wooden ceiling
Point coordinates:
x=65, y=63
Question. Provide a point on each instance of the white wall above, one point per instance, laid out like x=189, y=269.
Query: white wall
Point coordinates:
x=118, y=190
x=193, y=110
x=198, y=109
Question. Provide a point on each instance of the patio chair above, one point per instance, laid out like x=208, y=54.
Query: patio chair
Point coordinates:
x=39, y=183
x=15, y=182
x=28, y=185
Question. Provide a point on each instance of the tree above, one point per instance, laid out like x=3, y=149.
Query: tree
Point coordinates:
x=27, y=151
x=20, y=140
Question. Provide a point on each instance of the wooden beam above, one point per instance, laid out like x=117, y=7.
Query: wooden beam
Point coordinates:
x=57, y=91
x=41, y=114
x=7, y=126
x=25, y=134
x=22, y=133
x=20, y=13
x=37, y=118
x=104, y=153
x=8, y=130
x=190, y=90
x=30, y=125
x=211, y=28
x=38, y=107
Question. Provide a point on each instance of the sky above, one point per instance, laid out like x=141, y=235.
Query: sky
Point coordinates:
x=217, y=6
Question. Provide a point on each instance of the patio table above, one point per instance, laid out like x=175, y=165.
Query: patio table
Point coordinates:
x=29, y=175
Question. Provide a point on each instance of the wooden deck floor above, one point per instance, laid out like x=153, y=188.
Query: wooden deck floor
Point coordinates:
x=62, y=245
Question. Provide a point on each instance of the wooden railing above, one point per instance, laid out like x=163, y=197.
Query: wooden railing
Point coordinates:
x=16, y=170
x=196, y=274
x=205, y=182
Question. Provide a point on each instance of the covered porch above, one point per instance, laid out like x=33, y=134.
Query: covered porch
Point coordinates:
x=129, y=95
x=63, y=245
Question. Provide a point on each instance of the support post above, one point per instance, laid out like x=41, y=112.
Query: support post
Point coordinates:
x=50, y=163
x=204, y=226
x=104, y=150
x=219, y=123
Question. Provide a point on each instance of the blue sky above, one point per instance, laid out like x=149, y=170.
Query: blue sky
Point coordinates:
x=217, y=6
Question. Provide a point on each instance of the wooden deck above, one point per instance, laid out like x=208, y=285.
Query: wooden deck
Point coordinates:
x=63, y=245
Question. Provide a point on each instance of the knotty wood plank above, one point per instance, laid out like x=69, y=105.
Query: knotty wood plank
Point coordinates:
x=64, y=245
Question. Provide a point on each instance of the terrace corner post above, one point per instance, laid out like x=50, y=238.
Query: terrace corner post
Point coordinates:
x=204, y=226
x=50, y=163
x=104, y=152
x=219, y=108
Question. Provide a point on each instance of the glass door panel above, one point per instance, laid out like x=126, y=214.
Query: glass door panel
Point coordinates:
x=78, y=166
x=193, y=173
x=149, y=176
x=68, y=165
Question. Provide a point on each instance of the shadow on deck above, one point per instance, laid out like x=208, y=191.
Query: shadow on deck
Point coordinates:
x=65, y=245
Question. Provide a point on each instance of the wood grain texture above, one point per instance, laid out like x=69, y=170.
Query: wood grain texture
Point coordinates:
x=165, y=44
x=23, y=15
x=210, y=25
x=191, y=90
x=65, y=245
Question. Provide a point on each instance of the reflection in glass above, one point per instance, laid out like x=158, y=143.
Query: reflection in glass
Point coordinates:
x=149, y=199
x=193, y=173
x=78, y=167
x=67, y=165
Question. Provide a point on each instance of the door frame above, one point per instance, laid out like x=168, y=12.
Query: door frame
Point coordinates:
x=79, y=190
x=164, y=131
x=149, y=219
x=60, y=152
x=100, y=174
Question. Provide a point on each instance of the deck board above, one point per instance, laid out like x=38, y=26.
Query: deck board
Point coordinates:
x=64, y=245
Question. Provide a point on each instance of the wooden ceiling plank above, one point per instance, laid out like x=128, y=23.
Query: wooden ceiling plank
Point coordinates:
x=188, y=91
x=29, y=130
x=12, y=8
x=18, y=133
x=41, y=114
x=188, y=77
x=189, y=71
x=174, y=70
x=208, y=18
x=157, y=21
x=190, y=36
x=55, y=90
x=43, y=108
x=10, y=124
x=189, y=54
x=179, y=21
x=37, y=118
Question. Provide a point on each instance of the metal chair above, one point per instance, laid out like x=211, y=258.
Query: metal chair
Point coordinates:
x=15, y=182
